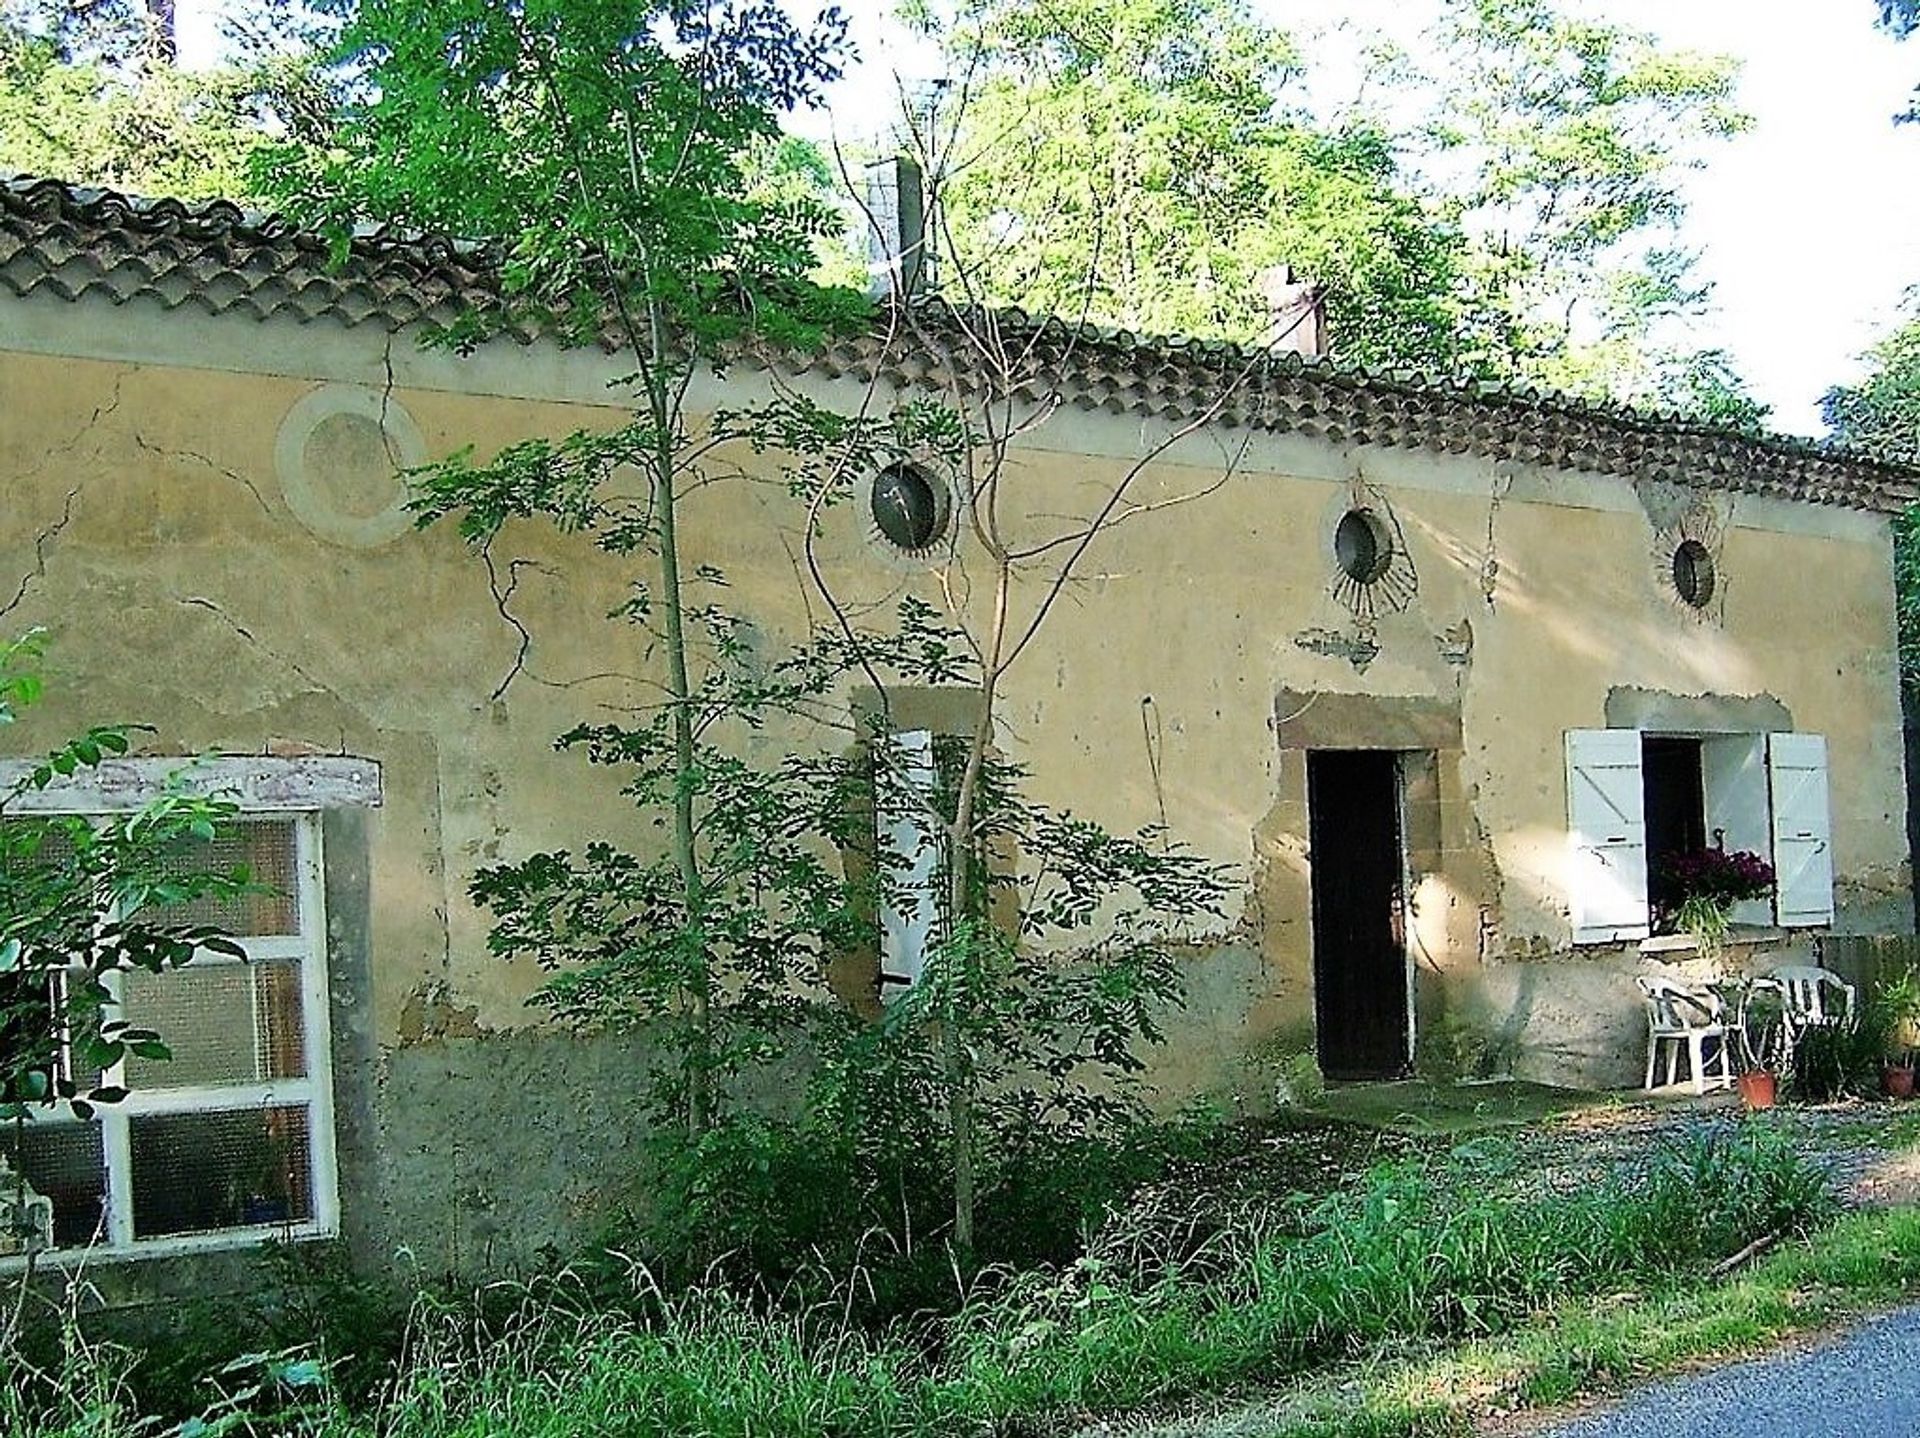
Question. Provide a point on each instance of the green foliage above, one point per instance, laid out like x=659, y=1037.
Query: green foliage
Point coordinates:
x=85, y=96
x=1832, y=1061
x=1560, y=142
x=1507, y=210
x=1128, y=161
x=81, y=902
x=605, y=146
x=1882, y=411
x=1881, y=414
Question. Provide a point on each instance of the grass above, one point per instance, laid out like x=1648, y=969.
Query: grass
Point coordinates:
x=1581, y=1349
x=1468, y=1246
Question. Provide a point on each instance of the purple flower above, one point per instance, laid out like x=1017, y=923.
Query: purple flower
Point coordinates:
x=1719, y=876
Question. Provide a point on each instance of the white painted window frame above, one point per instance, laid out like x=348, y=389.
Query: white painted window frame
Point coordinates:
x=909, y=858
x=115, y=1238
x=1740, y=778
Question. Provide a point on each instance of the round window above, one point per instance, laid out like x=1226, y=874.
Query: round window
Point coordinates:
x=909, y=507
x=1693, y=576
x=1362, y=546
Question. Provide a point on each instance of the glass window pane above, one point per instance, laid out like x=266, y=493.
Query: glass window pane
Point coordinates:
x=202, y=1172
x=64, y=1172
x=266, y=849
x=32, y=1034
x=226, y=1023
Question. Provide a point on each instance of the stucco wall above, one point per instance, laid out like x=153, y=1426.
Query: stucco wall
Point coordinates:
x=244, y=590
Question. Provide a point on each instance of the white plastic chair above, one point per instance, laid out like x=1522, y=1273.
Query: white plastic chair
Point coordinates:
x=1810, y=998
x=1685, y=1018
x=1813, y=997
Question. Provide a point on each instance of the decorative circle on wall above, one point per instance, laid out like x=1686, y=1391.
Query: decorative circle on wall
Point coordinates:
x=1362, y=546
x=1686, y=561
x=1373, y=573
x=910, y=507
x=339, y=454
x=1693, y=576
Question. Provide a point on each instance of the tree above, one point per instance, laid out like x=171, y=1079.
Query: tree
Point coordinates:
x=1128, y=161
x=603, y=147
x=1559, y=144
x=98, y=32
x=1882, y=414
x=606, y=150
x=92, y=93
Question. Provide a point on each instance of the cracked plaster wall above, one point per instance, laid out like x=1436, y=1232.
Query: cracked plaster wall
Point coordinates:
x=147, y=528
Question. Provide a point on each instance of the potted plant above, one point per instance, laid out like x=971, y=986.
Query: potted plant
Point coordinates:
x=1897, y=1002
x=1703, y=885
x=1758, y=1055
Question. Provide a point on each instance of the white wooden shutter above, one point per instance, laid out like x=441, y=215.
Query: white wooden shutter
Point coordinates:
x=1802, y=829
x=1734, y=768
x=1607, y=836
x=909, y=852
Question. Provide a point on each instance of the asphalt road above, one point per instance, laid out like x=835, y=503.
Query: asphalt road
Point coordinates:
x=1863, y=1384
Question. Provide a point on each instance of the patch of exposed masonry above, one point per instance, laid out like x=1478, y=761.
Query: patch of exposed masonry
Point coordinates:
x=1455, y=645
x=1490, y=558
x=1359, y=648
x=430, y=1013
x=1666, y=504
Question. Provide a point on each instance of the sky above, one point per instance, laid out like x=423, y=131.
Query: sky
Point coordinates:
x=1808, y=225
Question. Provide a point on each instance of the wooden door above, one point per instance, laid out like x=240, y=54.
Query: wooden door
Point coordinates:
x=1359, y=938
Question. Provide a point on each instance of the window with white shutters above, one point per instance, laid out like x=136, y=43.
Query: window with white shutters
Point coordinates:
x=1802, y=829
x=909, y=854
x=1763, y=793
x=1739, y=816
x=1607, y=836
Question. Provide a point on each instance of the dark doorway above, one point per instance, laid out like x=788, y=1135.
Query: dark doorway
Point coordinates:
x=1676, y=803
x=1359, y=941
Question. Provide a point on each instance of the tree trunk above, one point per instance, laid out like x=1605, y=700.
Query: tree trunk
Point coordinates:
x=699, y=990
x=961, y=895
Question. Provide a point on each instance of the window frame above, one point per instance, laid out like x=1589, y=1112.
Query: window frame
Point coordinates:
x=114, y=1237
x=1723, y=753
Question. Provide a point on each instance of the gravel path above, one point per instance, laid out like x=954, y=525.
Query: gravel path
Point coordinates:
x=1841, y=1137
x=1863, y=1384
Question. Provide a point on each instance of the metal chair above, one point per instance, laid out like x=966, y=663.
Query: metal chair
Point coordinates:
x=1685, y=1018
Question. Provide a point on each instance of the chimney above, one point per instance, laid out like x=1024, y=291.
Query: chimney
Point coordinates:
x=898, y=262
x=1299, y=311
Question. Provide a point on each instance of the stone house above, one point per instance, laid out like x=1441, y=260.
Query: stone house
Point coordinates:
x=1444, y=672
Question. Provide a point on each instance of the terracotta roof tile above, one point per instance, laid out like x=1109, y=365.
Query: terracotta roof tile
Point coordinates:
x=80, y=243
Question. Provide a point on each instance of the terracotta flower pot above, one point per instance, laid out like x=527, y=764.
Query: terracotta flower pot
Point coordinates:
x=1757, y=1089
x=1896, y=1080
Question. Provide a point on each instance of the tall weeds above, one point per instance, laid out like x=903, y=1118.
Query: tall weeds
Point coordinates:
x=1469, y=1243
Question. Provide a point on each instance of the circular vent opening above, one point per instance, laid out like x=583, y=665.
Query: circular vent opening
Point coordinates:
x=1693, y=577
x=1362, y=546
x=909, y=507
